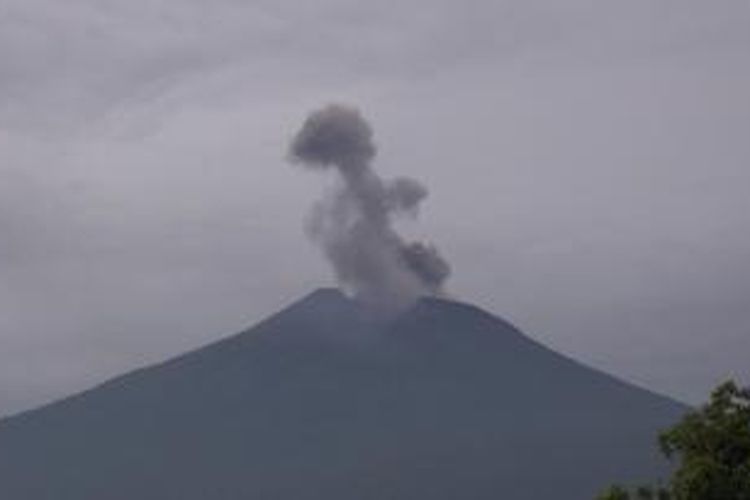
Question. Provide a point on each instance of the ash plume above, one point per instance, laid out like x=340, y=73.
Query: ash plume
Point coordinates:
x=354, y=223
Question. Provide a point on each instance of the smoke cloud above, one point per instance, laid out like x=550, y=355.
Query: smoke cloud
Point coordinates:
x=354, y=224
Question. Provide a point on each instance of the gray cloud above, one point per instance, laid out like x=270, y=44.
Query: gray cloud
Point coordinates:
x=587, y=166
x=355, y=224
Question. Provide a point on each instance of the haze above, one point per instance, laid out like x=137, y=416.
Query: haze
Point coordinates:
x=587, y=166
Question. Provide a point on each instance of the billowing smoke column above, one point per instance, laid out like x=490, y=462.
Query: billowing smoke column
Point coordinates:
x=354, y=225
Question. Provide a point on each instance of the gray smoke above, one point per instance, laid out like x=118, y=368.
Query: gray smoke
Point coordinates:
x=354, y=225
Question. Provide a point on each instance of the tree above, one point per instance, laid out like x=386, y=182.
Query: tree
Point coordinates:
x=712, y=448
x=617, y=492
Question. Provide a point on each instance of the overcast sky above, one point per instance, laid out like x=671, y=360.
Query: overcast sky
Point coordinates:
x=588, y=162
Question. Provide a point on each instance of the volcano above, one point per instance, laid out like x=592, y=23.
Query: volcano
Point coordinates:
x=323, y=401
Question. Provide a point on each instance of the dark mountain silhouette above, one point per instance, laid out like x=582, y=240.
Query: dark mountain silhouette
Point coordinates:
x=323, y=402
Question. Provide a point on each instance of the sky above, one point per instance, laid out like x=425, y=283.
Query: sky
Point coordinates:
x=588, y=164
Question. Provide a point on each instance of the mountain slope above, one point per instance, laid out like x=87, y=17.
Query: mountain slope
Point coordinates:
x=321, y=401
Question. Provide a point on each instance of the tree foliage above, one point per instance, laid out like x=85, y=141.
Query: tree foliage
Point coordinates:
x=712, y=448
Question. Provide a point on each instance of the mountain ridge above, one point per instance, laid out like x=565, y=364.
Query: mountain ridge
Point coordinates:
x=332, y=296
x=444, y=400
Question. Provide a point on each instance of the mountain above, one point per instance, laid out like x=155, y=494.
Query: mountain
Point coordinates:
x=322, y=401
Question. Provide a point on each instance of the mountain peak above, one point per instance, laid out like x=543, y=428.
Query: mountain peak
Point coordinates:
x=325, y=294
x=323, y=401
